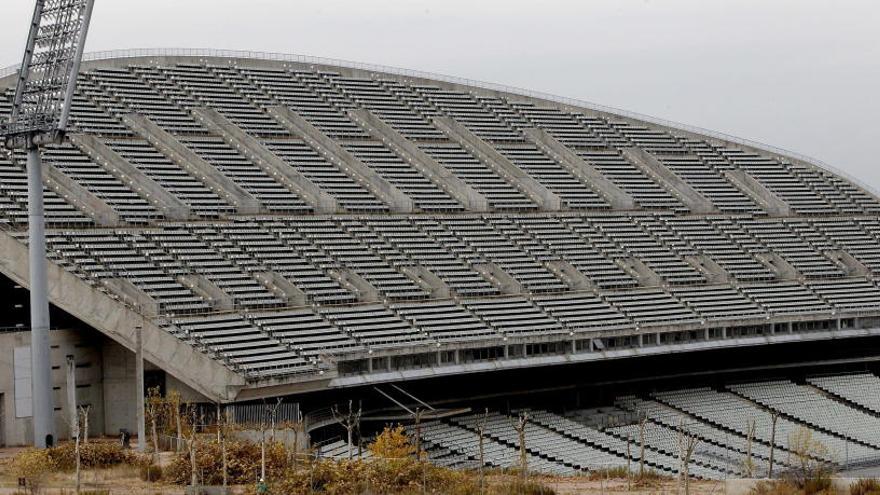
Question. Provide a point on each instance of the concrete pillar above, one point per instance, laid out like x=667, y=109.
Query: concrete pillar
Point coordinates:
x=41, y=371
x=139, y=390
x=70, y=382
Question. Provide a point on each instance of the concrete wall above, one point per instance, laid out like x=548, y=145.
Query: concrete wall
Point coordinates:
x=90, y=390
x=105, y=381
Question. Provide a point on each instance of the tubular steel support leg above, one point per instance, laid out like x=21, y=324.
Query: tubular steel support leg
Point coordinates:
x=41, y=366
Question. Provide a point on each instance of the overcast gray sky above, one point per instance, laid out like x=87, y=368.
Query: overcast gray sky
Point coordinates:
x=798, y=74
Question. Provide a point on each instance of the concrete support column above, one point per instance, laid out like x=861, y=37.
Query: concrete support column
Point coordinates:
x=72, y=415
x=139, y=390
x=41, y=367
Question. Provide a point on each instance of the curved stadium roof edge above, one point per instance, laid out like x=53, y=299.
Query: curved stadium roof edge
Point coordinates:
x=129, y=53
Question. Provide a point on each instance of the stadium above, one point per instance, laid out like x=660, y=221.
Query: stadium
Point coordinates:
x=267, y=226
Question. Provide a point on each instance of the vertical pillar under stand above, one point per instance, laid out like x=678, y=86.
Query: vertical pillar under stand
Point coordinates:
x=71, y=397
x=41, y=366
x=139, y=390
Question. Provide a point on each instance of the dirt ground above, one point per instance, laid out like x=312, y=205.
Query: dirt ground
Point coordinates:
x=579, y=486
x=125, y=481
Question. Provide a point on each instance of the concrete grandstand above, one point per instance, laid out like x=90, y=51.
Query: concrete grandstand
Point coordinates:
x=282, y=226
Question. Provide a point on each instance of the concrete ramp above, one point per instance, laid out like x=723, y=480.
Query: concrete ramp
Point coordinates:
x=469, y=197
x=582, y=169
x=208, y=290
x=498, y=277
x=640, y=271
x=850, y=264
x=714, y=273
x=760, y=194
x=669, y=180
x=327, y=146
x=134, y=296
x=80, y=197
x=153, y=192
x=539, y=194
x=428, y=281
x=354, y=282
x=282, y=288
x=295, y=182
x=245, y=203
x=100, y=310
x=572, y=277
x=779, y=266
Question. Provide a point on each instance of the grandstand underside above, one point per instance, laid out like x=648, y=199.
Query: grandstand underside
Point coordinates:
x=277, y=228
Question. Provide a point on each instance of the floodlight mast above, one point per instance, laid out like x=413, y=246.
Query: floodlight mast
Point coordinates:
x=40, y=112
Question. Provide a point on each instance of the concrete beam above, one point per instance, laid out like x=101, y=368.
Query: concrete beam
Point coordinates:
x=80, y=197
x=669, y=180
x=469, y=197
x=428, y=281
x=760, y=194
x=618, y=198
x=208, y=290
x=502, y=280
x=713, y=272
x=778, y=265
x=244, y=202
x=852, y=266
x=282, y=288
x=261, y=156
x=117, y=321
x=573, y=278
x=133, y=296
x=545, y=198
x=336, y=154
x=352, y=281
x=640, y=271
x=167, y=204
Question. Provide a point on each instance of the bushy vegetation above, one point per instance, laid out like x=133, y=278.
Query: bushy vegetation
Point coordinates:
x=93, y=455
x=34, y=466
x=865, y=487
x=243, y=463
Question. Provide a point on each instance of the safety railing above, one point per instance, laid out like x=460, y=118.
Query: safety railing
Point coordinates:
x=313, y=60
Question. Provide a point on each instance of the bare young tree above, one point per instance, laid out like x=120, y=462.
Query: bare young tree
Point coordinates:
x=750, y=435
x=154, y=406
x=193, y=447
x=351, y=421
x=298, y=426
x=84, y=414
x=773, y=417
x=522, y=420
x=173, y=403
x=687, y=443
x=628, y=463
x=223, y=425
x=642, y=424
x=481, y=430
